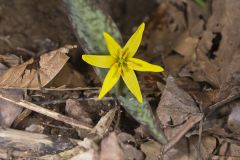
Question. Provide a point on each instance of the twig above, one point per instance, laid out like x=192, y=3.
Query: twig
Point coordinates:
x=56, y=126
x=28, y=52
x=49, y=113
x=211, y=109
x=21, y=117
x=185, y=128
x=59, y=101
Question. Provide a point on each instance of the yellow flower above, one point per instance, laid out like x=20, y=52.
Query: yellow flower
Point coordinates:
x=122, y=64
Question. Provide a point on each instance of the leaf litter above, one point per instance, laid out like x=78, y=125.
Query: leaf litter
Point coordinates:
x=198, y=46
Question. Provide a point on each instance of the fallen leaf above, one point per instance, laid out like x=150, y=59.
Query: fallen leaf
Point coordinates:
x=185, y=149
x=203, y=69
x=234, y=120
x=9, y=111
x=75, y=110
x=229, y=149
x=110, y=148
x=152, y=150
x=128, y=144
x=175, y=104
x=132, y=153
x=26, y=74
x=125, y=138
x=67, y=77
x=186, y=46
x=218, y=50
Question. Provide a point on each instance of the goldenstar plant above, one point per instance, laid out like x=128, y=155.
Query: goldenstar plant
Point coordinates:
x=122, y=64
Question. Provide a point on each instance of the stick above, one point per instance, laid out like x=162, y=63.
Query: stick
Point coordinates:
x=211, y=109
x=59, y=101
x=185, y=128
x=49, y=113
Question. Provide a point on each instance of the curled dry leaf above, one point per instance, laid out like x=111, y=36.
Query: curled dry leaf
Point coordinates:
x=26, y=74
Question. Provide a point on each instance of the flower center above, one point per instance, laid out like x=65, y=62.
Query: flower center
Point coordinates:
x=122, y=58
x=122, y=62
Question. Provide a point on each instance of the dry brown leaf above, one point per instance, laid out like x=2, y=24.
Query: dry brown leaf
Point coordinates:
x=152, y=150
x=186, y=46
x=234, y=120
x=128, y=144
x=110, y=148
x=75, y=110
x=161, y=32
x=67, y=77
x=132, y=153
x=183, y=150
x=170, y=30
x=175, y=105
x=218, y=50
x=205, y=98
x=26, y=75
x=203, y=69
x=229, y=149
x=9, y=111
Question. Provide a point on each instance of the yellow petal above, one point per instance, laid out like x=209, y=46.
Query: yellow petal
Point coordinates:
x=110, y=80
x=113, y=47
x=99, y=60
x=134, y=42
x=140, y=65
x=130, y=79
